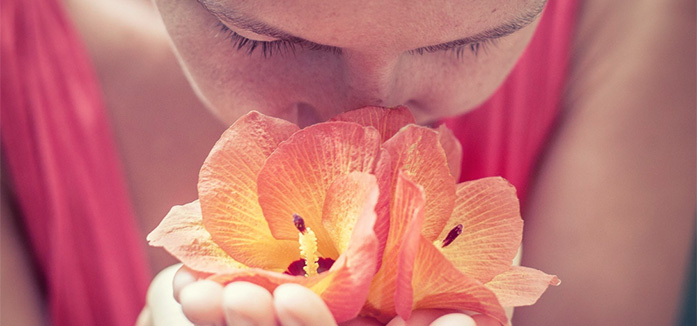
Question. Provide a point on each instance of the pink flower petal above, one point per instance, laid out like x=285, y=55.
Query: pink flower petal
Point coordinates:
x=492, y=228
x=182, y=234
x=344, y=287
x=437, y=284
x=353, y=271
x=386, y=120
x=453, y=150
x=343, y=205
x=228, y=192
x=406, y=216
x=521, y=286
x=417, y=151
x=383, y=171
x=296, y=177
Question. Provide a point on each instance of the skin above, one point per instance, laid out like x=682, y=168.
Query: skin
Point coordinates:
x=612, y=209
x=374, y=67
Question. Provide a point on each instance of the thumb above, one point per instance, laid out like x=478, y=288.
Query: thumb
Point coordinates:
x=161, y=308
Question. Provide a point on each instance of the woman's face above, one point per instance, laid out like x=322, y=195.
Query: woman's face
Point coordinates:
x=308, y=60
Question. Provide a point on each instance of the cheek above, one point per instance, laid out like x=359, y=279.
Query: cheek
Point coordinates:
x=452, y=86
x=232, y=82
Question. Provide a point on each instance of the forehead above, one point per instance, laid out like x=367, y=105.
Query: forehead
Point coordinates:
x=389, y=23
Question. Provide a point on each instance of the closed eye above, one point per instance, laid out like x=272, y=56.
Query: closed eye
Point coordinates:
x=285, y=46
x=269, y=48
x=459, y=50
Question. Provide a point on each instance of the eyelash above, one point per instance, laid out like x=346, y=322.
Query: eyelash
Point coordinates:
x=268, y=48
x=475, y=48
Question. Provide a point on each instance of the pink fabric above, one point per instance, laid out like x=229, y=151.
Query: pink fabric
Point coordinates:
x=507, y=134
x=59, y=153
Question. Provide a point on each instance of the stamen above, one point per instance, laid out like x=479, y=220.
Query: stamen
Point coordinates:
x=299, y=223
x=308, y=246
x=308, y=251
x=452, y=235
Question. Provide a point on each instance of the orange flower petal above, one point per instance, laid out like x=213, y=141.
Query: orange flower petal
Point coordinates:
x=182, y=234
x=386, y=120
x=351, y=275
x=343, y=292
x=435, y=283
x=296, y=177
x=453, y=150
x=417, y=151
x=228, y=192
x=383, y=171
x=492, y=228
x=344, y=287
x=406, y=217
x=344, y=204
x=521, y=286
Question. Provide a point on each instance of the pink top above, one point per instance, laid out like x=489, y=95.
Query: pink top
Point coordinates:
x=67, y=179
x=506, y=135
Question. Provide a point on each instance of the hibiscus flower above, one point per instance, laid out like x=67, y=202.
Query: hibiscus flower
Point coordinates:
x=278, y=205
x=449, y=246
x=363, y=210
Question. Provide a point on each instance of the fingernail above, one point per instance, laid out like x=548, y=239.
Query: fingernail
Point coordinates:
x=233, y=317
x=287, y=319
x=291, y=322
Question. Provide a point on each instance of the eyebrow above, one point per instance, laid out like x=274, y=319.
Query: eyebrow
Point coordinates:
x=523, y=19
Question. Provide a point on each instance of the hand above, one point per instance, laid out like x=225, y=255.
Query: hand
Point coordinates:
x=160, y=306
x=436, y=317
x=241, y=303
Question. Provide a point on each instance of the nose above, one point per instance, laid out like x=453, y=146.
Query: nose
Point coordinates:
x=372, y=79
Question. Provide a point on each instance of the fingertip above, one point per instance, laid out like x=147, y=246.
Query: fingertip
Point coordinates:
x=484, y=320
x=397, y=321
x=291, y=294
x=183, y=277
x=425, y=316
x=361, y=321
x=454, y=319
x=144, y=318
x=201, y=302
x=245, y=303
x=162, y=283
x=297, y=305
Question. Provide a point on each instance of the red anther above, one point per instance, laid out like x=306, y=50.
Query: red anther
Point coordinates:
x=452, y=235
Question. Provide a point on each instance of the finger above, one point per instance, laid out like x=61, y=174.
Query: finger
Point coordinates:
x=361, y=321
x=247, y=304
x=201, y=302
x=144, y=318
x=419, y=317
x=184, y=277
x=296, y=305
x=164, y=310
x=484, y=320
x=454, y=320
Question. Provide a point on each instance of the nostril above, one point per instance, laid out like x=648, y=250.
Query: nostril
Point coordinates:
x=307, y=114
